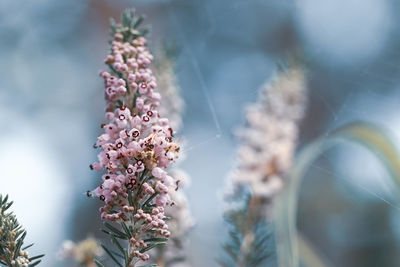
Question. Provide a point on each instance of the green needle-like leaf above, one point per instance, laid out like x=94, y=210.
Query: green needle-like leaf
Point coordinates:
x=115, y=241
x=115, y=230
x=111, y=255
x=130, y=198
x=36, y=257
x=150, y=246
x=156, y=239
x=138, y=22
x=126, y=229
x=19, y=245
x=8, y=206
x=4, y=200
x=150, y=199
x=99, y=264
x=28, y=246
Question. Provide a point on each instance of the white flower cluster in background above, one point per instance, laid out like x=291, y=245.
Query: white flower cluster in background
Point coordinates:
x=269, y=140
x=172, y=105
x=83, y=252
x=181, y=221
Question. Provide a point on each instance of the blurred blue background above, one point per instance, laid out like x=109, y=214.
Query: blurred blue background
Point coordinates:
x=51, y=106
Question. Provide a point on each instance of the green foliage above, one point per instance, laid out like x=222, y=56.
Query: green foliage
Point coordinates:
x=12, y=237
x=116, y=235
x=250, y=238
x=121, y=234
x=129, y=26
x=121, y=257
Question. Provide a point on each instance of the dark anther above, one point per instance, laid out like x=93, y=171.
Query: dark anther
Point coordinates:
x=91, y=166
x=89, y=193
x=129, y=170
x=135, y=134
x=177, y=185
x=121, y=117
x=129, y=186
x=123, y=107
x=101, y=186
x=95, y=146
x=102, y=198
x=146, y=119
x=119, y=145
x=150, y=113
x=143, y=85
x=102, y=125
x=107, y=177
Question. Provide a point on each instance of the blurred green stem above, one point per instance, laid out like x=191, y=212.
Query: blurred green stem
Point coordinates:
x=369, y=136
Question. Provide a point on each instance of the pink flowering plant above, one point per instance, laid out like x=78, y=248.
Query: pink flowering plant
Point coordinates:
x=265, y=156
x=136, y=148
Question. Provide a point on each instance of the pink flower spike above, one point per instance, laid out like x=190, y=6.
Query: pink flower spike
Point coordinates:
x=136, y=145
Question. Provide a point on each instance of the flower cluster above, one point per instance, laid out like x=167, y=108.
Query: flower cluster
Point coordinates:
x=137, y=145
x=83, y=252
x=269, y=140
x=172, y=105
x=265, y=157
x=181, y=220
x=12, y=236
x=180, y=223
